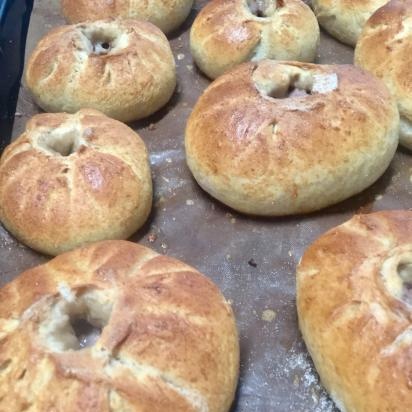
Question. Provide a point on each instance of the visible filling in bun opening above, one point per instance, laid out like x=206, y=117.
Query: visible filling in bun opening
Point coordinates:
x=75, y=321
x=62, y=141
x=264, y=8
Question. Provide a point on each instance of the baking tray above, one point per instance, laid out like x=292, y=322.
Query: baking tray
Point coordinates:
x=253, y=260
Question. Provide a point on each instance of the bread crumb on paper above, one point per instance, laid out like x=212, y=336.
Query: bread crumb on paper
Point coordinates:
x=268, y=315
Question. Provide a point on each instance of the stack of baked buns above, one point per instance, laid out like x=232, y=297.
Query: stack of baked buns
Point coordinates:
x=274, y=134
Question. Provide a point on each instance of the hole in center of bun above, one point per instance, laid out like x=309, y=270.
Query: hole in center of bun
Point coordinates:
x=405, y=273
x=75, y=321
x=404, y=270
x=295, y=85
x=101, y=47
x=86, y=333
x=264, y=8
x=101, y=40
x=61, y=141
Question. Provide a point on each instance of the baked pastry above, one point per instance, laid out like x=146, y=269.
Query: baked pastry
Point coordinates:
x=124, y=68
x=344, y=19
x=272, y=138
x=384, y=49
x=168, y=15
x=116, y=327
x=354, y=304
x=69, y=180
x=228, y=32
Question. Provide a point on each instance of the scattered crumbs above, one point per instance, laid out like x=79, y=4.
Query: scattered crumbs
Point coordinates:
x=300, y=367
x=290, y=253
x=268, y=315
x=152, y=126
x=190, y=202
x=252, y=263
x=228, y=257
x=165, y=179
x=18, y=114
x=163, y=245
x=233, y=220
x=296, y=380
x=230, y=302
x=315, y=396
x=180, y=56
x=168, y=160
x=378, y=197
x=189, y=67
x=152, y=237
x=160, y=201
x=228, y=214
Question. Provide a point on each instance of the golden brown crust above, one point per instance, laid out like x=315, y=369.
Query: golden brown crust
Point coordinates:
x=357, y=330
x=54, y=202
x=278, y=156
x=168, y=15
x=344, y=19
x=70, y=70
x=384, y=49
x=170, y=342
x=226, y=33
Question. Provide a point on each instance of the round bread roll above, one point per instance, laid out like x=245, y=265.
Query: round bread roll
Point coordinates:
x=124, y=68
x=116, y=327
x=354, y=301
x=385, y=50
x=168, y=15
x=229, y=32
x=344, y=19
x=69, y=180
x=274, y=138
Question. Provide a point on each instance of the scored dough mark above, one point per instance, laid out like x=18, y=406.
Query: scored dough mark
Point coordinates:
x=5, y=365
x=142, y=371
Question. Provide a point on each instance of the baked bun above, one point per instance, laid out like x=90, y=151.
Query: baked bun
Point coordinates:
x=168, y=338
x=385, y=50
x=124, y=68
x=344, y=19
x=168, y=15
x=273, y=138
x=69, y=180
x=229, y=32
x=354, y=303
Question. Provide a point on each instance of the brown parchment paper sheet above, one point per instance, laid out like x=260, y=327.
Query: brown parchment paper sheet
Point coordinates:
x=252, y=260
